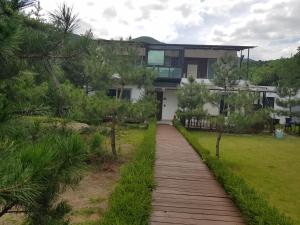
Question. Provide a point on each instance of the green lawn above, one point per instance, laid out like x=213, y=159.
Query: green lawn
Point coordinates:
x=271, y=166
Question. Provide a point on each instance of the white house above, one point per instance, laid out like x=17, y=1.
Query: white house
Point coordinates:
x=175, y=62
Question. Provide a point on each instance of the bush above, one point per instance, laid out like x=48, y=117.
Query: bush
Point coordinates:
x=140, y=111
x=96, y=142
x=97, y=152
x=130, y=204
x=253, y=206
x=36, y=174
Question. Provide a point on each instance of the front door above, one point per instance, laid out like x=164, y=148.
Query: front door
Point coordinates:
x=159, y=98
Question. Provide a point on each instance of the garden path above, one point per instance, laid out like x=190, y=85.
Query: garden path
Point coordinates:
x=187, y=192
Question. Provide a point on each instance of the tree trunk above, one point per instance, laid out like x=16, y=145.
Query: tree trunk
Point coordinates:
x=86, y=83
x=218, y=144
x=121, y=92
x=113, y=136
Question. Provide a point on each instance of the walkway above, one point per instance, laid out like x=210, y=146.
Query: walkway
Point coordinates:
x=187, y=193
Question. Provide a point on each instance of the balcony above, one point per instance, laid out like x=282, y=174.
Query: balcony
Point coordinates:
x=168, y=72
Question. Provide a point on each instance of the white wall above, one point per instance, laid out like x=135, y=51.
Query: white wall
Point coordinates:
x=136, y=93
x=170, y=104
x=211, y=109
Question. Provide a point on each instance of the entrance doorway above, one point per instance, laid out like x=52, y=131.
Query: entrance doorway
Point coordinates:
x=159, y=98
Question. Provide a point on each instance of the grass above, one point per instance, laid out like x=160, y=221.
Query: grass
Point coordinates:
x=89, y=200
x=255, y=207
x=270, y=165
x=130, y=204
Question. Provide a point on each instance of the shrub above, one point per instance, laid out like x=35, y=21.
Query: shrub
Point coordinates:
x=253, y=206
x=130, y=203
x=97, y=153
x=41, y=171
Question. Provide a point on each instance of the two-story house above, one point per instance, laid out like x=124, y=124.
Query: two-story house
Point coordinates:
x=175, y=62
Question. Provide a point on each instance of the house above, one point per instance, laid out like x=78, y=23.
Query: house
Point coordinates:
x=175, y=62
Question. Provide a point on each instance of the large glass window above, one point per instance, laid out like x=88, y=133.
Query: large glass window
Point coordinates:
x=167, y=62
x=156, y=57
x=126, y=93
x=210, y=68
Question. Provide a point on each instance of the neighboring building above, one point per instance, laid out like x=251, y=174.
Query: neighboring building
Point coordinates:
x=175, y=62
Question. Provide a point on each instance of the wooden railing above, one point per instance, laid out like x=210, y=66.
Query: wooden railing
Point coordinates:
x=203, y=123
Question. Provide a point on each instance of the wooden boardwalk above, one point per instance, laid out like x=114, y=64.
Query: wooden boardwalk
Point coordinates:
x=187, y=193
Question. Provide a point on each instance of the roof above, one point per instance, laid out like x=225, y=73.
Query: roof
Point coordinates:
x=212, y=47
x=149, y=41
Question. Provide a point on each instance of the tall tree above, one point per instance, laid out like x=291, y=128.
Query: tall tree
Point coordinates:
x=121, y=66
x=289, y=86
x=235, y=103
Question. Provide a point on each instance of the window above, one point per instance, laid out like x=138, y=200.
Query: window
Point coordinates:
x=192, y=70
x=167, y=62
x=210, y=68
x=269, y=102
x=172, y=58
x=126, y=93
x=156, y=57
x=203, y=68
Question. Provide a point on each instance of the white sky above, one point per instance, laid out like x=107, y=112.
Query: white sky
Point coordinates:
x=272, y=25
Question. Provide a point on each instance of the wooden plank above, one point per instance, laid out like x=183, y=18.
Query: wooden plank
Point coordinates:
x=187, y=193
x=185, y=221
x=184, y=215
x=194, y=211
x=192, y=205
x=191, y=193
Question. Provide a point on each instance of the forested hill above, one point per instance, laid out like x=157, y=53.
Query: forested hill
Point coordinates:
x=273, y=72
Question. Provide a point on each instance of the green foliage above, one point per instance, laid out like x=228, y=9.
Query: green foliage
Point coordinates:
x=253, y=206
x=130, y=203
x=236, y=107
x=4, y=109
x=32, y=176
x=226, y=72
x=96, y=141
x=289, y=85
x=97, y=152
x=141, y=111
x=66, y=101
x=24, y=94
x=264, y=72
x=191, y=99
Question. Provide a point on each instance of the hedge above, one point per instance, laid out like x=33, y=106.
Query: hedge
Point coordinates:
x=130, y=203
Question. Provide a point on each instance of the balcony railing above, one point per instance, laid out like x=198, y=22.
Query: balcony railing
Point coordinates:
x=168, y=72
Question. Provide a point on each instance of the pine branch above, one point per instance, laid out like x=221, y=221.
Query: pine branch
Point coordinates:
x=7, y=208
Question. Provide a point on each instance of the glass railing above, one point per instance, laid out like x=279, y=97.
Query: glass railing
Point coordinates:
x=168, y=72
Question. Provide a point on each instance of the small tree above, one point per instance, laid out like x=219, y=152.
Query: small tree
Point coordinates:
x=236, y=107
x=127, y=68
x=288, y=86
x=191, y=99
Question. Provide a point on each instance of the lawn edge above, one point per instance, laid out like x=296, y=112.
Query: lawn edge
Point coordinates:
x=253, y=206
x=130, y=203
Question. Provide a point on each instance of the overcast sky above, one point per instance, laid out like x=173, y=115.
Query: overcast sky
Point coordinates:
x=272, y=25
